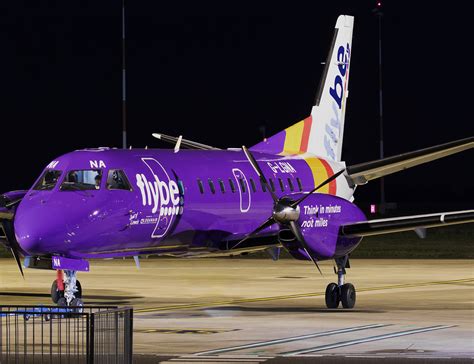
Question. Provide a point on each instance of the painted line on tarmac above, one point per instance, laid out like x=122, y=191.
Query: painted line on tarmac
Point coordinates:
x=219, y=359
x=365, y=340
x=293, y=296
x=290, y=339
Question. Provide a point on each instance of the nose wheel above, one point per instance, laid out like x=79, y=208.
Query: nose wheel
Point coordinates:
x=341, y=292
x=66, y=290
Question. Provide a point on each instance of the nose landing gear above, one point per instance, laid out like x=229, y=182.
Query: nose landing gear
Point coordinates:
x=341, y=292
x=66, y=290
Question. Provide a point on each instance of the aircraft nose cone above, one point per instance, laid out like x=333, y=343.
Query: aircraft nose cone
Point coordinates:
x=28, y=241
x=35, y=230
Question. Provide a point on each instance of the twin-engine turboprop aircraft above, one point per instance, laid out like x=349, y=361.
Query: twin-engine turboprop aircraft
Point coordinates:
x=291, y=190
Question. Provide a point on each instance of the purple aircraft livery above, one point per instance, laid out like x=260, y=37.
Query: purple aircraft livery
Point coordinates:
x=290, y=191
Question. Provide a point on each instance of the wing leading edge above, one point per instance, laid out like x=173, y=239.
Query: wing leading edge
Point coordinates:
x=405, y=223
x=362, y=173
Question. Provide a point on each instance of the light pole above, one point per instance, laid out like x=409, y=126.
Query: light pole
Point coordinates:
x=124, y=90
x=379, y=14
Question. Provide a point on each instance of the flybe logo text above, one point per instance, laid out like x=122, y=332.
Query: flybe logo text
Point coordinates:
x=157, y=193
x=337, y=90
x=333, y=126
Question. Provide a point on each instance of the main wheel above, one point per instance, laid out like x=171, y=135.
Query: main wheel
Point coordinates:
x=332, y=295
x=56, y=294
x=348, y=295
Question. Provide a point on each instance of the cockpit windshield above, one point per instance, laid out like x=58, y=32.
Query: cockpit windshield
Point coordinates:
x=48, y=180
x=88, y=179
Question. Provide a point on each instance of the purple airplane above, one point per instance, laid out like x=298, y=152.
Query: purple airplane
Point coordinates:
x=292, y=190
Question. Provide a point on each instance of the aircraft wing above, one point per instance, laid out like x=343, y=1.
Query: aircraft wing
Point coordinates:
x=362, y=173
x=185, y=142
x=405, y=223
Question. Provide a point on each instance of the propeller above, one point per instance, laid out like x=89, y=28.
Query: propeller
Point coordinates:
x=285, y=210
x=16, y=255
x=8, y=218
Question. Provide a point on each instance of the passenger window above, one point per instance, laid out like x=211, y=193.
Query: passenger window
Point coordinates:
x=221, y=184
x=117, y=180
x=231, y=184
x=272, y=185
x=252, y=183
x=242, y=185
x=282, y=187
x=264, y=189
x=211, y=186
x=201, y=187
x=299, y=183
x=290, y=184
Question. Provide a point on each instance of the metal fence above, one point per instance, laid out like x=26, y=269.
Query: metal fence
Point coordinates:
x=51, y=334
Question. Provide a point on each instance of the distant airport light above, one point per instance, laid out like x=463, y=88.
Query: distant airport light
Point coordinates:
x=373, y=209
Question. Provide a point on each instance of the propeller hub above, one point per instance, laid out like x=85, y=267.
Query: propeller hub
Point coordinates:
x=284, y=213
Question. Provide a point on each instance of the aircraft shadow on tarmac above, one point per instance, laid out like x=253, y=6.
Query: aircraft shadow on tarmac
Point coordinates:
x=107, y=300
x=290, y=309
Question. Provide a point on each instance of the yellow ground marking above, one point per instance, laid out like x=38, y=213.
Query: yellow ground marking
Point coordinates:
x=295, y=296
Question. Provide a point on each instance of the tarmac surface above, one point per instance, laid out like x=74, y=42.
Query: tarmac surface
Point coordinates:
x=255, y=311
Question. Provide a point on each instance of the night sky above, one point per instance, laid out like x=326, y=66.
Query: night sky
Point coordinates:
x=216, y=77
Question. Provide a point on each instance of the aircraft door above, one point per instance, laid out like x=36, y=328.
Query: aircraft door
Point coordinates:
x=244, y=189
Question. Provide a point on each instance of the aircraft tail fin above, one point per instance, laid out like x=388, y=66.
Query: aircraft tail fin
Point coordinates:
x=321, y=133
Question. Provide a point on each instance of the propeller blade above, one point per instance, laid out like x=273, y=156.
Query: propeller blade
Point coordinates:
x=13, y=203
x=259, y=172
x=269, y=222
x=333, y=177
x=295, y=229
x=18, y=261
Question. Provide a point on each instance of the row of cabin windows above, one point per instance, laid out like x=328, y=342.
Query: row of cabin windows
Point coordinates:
x=253, y=186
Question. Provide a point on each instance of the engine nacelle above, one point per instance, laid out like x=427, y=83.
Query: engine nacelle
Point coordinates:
x=320, y=219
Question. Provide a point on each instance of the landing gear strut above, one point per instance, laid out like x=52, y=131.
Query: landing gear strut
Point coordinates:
x=341, y=292
x=66, y=290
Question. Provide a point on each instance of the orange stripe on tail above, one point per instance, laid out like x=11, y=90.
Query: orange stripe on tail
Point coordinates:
x=330, y=172
x=306, y=131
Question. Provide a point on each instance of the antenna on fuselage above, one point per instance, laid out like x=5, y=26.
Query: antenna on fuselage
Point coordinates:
x=178, y=144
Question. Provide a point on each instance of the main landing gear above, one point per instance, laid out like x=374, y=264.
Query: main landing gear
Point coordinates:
x=341, y=292
x=66, y=290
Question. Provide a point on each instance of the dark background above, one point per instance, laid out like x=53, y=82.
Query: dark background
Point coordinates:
x=216, y=77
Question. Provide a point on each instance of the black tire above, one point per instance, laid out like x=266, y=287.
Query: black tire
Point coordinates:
x=56, y=294
x=77, y=302
x=332, y=295
x=348, y=295
x=78, y=294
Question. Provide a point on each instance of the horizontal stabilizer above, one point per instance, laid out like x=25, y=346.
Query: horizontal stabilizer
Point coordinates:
x=184, y=142
x=405, y=223
x=364, y=172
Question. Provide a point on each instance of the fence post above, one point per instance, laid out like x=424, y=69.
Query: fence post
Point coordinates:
x=90, y=338
x=130, y=335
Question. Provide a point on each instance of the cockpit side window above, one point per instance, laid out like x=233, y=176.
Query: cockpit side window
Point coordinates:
x=48, y=180
x=117, y=180
x=85, y=179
